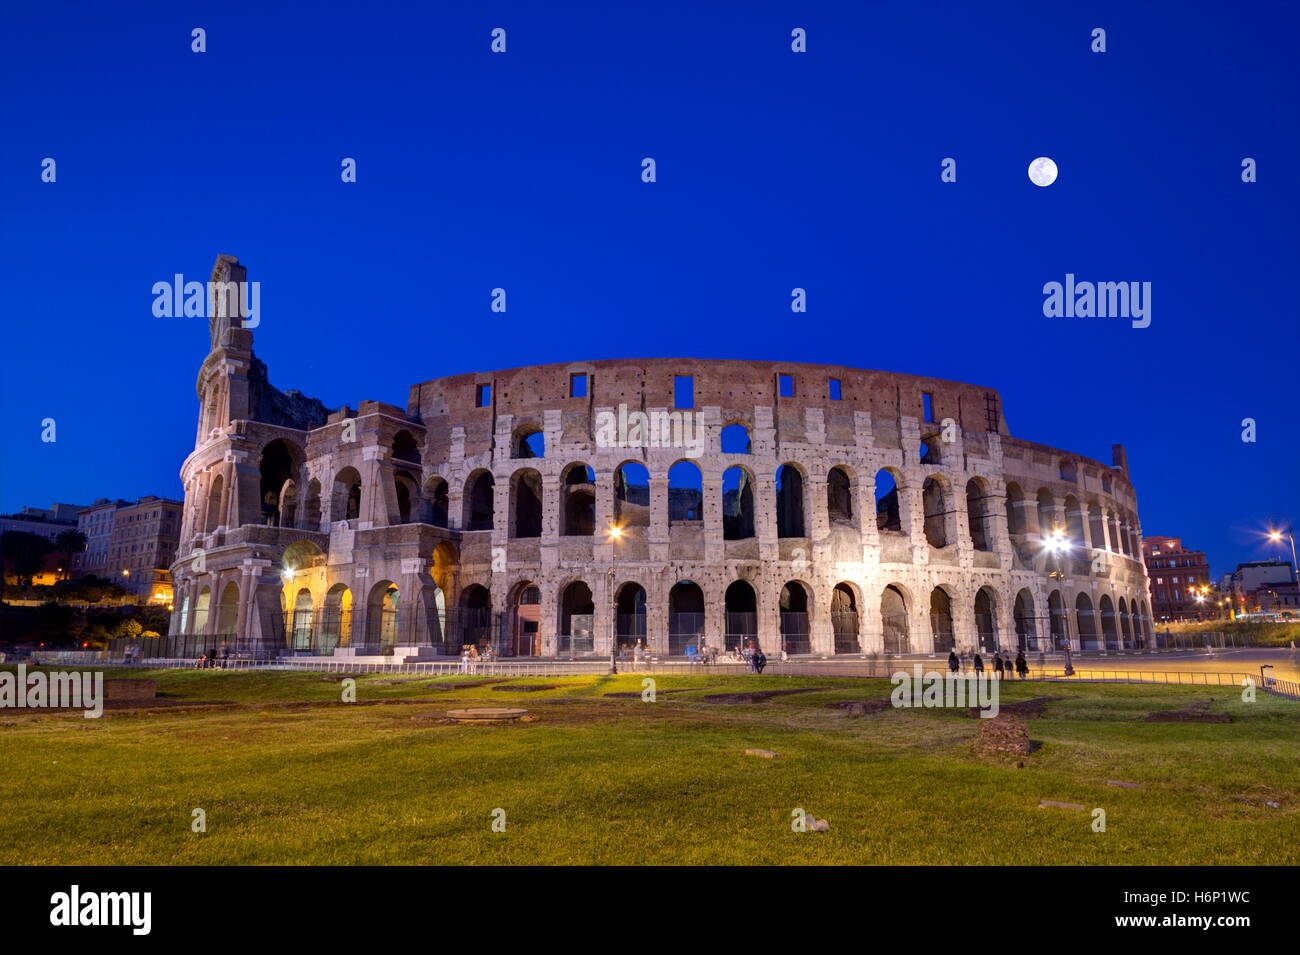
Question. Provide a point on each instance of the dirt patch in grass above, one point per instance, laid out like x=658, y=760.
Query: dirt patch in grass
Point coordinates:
x=1028, y=709
x=636, y=694
x=861, y=707
x=758, y=696
x=1198, y=712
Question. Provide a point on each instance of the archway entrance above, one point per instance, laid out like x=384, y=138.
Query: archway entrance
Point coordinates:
x=526, y=621
x=893, y=620
x=685, y=616
x=844, y=619
x=795, y=636
x=741, y=605
x=629, y=620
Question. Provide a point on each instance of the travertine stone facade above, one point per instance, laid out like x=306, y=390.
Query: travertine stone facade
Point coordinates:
x=377, y=527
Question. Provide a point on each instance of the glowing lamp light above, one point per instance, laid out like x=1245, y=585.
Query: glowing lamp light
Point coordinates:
x=616, y=532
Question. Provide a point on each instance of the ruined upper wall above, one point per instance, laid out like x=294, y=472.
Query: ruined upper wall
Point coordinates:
x=736, y=387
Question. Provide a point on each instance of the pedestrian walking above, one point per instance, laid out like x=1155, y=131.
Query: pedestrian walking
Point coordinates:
x=997, y=664
x=954, y=664
x=979, y=665
x=760, y=661
x=1022, y=665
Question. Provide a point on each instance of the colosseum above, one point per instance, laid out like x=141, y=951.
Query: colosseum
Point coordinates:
x=567, y=509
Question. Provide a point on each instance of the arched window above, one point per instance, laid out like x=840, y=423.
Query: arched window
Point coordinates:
x=741, y=604
x=1086, y=622
x=839, y=496
x=405, y=448
x=977, y=515
x=1074, y=521
x=631, y=495
x=437, y=494
x=312, y=507
x=1068, y=471
x=479, y=501
x=941, y=620
x=930, y=453
x=935, y=499
x=278, y=465
x=577, y=619
x=214, y=516
x=685, y=616
x=1023, y=614
x=578, y=501
x=986, y=620
x=336, y=618
x=893, y=620
x=1015, y=510
x=526, y=503
x=737, y=504
x=530, y=442
x=408, y=497
x=347, y=495
x=1047, y=520
x=685, y=492
x=844, y=619
x=789, y=502
x=630, y=615
x=889, y=514
x=795, y=634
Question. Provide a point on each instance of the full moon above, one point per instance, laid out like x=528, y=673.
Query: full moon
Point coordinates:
x=1042, y=171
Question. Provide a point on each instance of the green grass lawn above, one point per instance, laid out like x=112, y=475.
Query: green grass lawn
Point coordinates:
x=599, y=780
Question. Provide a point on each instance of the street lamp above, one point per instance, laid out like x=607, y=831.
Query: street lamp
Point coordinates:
x=1276, y=537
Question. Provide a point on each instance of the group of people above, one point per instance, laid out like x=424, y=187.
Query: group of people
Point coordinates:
x=471, y=656
x=754, y=657
x=213, y=658
x=1002, y=667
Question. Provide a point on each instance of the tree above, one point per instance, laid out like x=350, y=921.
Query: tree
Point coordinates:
x=69, y=543
x=24, y=554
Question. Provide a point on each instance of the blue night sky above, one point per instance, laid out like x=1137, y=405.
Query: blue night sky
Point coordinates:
x=776, y=170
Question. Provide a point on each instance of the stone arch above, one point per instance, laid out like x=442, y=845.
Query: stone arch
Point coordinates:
x=737, y=504
x=577, y=501
x=889, y=501
x=936, y=497
x=844, y=618
x=281, y=460
x=311, y=517
x=839, y=496
x=228, y=611
x=336, y=618
x=475, y=616
x=301, y=621
x=213, y=516
x=347, y=495
x=480, y=501
x=437, y=494
x=1047, y=520
x=929, y=452
x=941, y=620
x=525, y=503
x=986, y=619
x=1016, y=525
x=790, y=516
x=1109, y=631
x=199, y=625
x=1058, y=621
x=1074, y=521
x=1096, y=529
x=978, y=514
x=740, y=603
x=1125, y=624
x=525, y=603
x=1086, y=621
x=408, y=497
x=685, y=616
x=1068, y=471
x=795, y=607
x=528, y=441
x=630, y=614
x=406, y=448
x=685, y=492
x=383, y=616
x=631, y=495
x=577, y=610
x=895, y=606
x=1025, y=623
